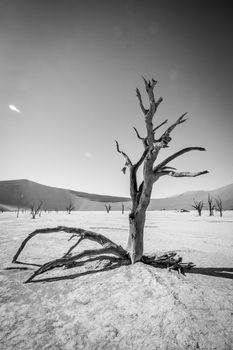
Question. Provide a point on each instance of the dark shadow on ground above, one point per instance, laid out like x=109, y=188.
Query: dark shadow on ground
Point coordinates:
x=114, y=263
x=224, y=272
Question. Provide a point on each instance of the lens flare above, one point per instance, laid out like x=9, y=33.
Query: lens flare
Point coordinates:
x=15, y=109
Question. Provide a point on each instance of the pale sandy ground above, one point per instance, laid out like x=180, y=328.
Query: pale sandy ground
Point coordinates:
x=130, y=307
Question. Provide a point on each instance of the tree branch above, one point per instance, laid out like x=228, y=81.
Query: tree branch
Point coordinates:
x=175, y=155
x=78, y=232
x=138, y=94
x=180, y=120
x=149, y=85
x=165, y=138
x=144, y=139
x=128, y=162
x=73, y=246
x=67, y=260
x=157, y=127
x=137, y=133
x=139, y=163
x=186, y=173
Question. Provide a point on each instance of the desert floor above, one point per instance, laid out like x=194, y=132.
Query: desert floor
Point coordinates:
x=126, y=307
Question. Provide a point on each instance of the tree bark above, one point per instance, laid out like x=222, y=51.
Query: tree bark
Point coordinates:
x=135, y=238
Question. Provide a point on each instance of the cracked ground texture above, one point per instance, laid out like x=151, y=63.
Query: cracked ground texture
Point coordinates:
x=130, y=307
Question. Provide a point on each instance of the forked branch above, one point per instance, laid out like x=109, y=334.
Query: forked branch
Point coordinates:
x=149, y=85
x=79, y=232
x=180, y=120
x=144, y=139
x=175, y=155
x=165, y=138
x=67, y=260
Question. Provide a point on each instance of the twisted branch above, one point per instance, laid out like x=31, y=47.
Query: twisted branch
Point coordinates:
x=128, y=162
x=175, y=155
x=79, y=232
x=65, y=261
x=144, y=139
x=165, y=138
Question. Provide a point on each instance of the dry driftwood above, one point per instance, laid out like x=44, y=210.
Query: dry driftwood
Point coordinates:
x=108, y=247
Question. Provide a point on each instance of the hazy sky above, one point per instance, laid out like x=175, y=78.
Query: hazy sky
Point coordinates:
x=71, y=68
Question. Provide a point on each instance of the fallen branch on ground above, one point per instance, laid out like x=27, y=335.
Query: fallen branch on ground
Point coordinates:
x=169, y=261
x=108, y=247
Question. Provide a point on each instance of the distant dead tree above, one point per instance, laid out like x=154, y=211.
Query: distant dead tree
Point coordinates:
x=18, y=209
x=69, y=208
x=140, y=197
x=35, y=209
x=40, y=211
x=218, y=202
x=211, y=205
x=122, y=208
x=107, y=207
x=198, y=206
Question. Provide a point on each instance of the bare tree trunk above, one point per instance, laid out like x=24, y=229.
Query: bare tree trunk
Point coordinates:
x=219, y=205
x=135, y=238
x=211, y=205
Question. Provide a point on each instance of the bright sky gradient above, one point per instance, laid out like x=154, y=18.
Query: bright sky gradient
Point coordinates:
x=71, y=68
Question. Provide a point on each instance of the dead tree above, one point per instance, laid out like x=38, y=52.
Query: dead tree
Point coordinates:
x=198, y=206
x=35, y=210
x=69, y=208
x=211, y=205
x=140, y=196
x=108, y=208
x=218, y=202
x=18, y=209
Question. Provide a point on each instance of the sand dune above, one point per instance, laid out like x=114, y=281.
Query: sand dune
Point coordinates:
x=25, y=193
x=185, y=200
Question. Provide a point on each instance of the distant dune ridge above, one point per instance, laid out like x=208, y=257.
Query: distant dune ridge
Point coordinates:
x=25, y=193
